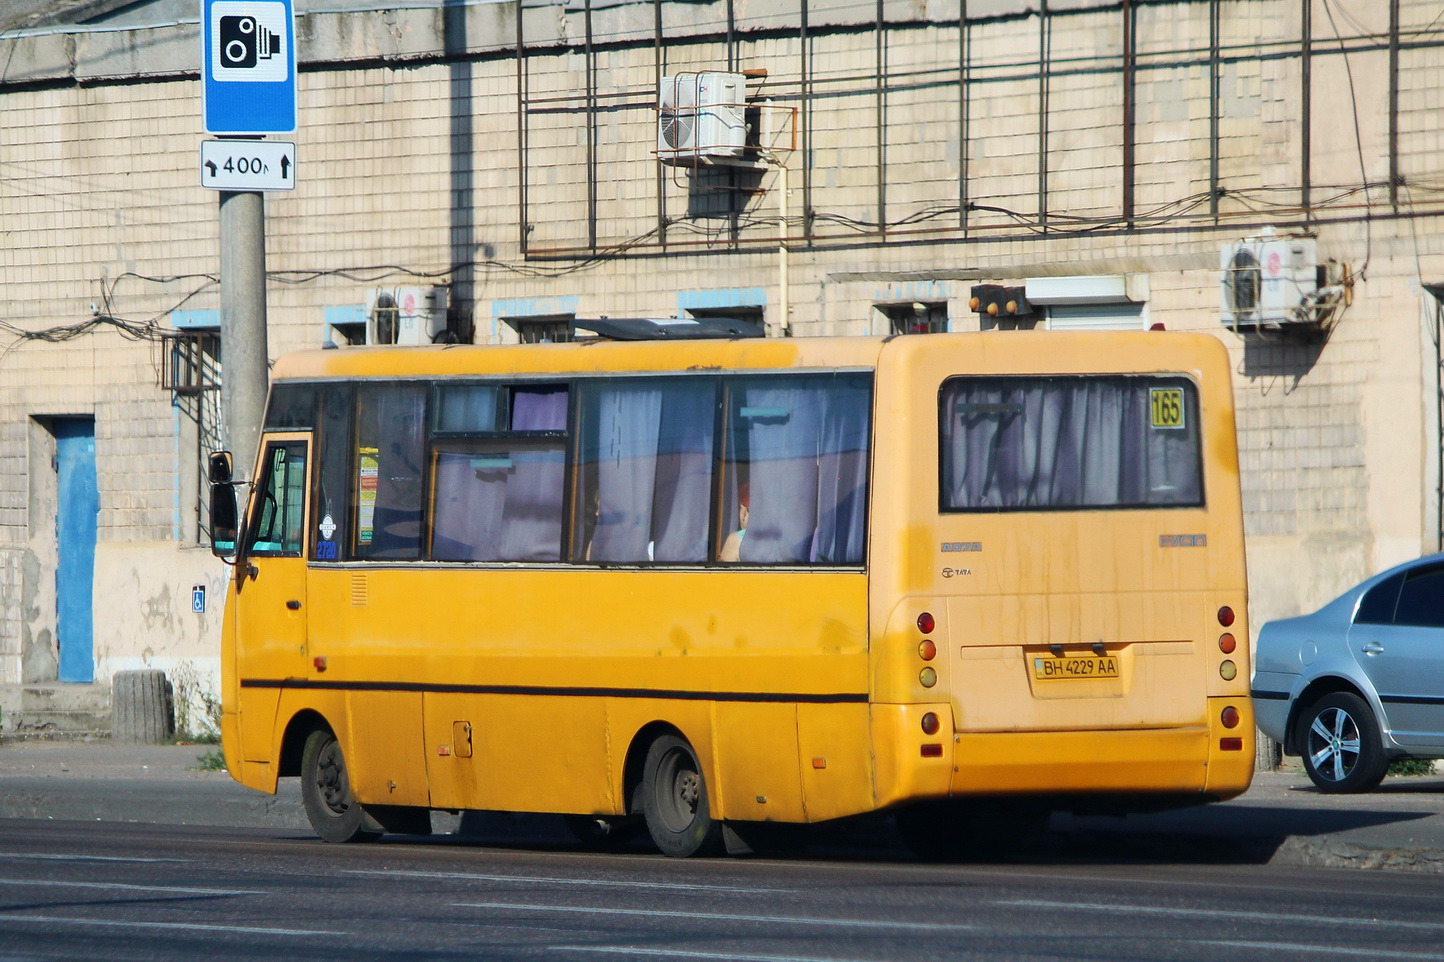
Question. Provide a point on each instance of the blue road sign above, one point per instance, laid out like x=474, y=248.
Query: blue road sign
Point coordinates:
x=248, y=66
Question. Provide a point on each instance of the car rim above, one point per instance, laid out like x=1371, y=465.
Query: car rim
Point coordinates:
x=1334, y=744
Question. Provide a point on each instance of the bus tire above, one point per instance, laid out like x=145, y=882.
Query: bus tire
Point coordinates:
x=675, y=801
x=1341, y=745
x=331, y=808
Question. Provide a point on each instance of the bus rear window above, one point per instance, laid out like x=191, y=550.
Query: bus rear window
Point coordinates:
x=1040, y=443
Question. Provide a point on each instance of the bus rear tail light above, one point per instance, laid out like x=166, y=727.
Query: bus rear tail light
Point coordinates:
x=1227, y=642
x=1225, y=616
x=927, y=651
x=1228, y=671
x=931, y=724
x=928, y=677
x=932, y=751
x=1230, y=744
x=926, y=623
x=1229, y=717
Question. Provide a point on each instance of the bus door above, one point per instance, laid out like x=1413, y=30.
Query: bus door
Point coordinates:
x=271, y=590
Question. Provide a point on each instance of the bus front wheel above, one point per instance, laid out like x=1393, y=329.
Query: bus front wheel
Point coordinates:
x=326, y=791
x=675, y=801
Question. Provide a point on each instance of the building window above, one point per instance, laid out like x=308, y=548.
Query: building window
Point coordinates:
x=916, y=317
x=1096, y=317
x=542, y=330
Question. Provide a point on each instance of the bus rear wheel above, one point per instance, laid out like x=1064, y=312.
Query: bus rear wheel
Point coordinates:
x=326, y=792
x=675, y=802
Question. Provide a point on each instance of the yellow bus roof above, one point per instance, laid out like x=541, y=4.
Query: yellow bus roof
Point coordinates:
x=992, y=351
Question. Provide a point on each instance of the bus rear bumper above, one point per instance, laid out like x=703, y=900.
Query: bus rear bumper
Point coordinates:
x=1169, y=761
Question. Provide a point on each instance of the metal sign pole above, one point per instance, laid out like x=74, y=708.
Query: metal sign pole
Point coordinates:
x=243, y=323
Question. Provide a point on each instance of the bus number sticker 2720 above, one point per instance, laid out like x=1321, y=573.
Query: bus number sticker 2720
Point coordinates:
x=1051, y=669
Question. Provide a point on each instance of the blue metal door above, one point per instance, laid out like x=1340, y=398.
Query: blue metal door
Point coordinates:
x=79, y=503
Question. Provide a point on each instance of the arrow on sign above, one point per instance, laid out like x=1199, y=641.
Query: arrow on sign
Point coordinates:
x=285, y=166
x=212, y=166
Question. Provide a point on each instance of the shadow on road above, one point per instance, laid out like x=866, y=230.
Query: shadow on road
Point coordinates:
x=1222, y=834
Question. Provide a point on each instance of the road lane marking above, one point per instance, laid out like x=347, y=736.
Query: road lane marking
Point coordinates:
x=541, y=880
x=1216, y=913
x=27, y=856
x=968, y=872
x=174, y=889
x=1329, y=950
x=681, y=954
x=188, y=926
x=721, y=917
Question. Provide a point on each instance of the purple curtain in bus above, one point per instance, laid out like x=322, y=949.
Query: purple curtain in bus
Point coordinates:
x=1064, y=442
x=539, y=409
x=652, y=457
x=806, y=449
x=500, y=499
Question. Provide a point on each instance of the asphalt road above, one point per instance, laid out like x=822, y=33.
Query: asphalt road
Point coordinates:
x=147, y=892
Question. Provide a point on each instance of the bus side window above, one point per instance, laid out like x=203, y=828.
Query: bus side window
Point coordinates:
x=645, y=471
x=388, y=463
x=281, y=506
x=331, y=520
x=499, y=497
x=798, y=448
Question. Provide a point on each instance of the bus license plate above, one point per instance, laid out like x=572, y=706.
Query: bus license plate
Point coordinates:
x=1050, y=669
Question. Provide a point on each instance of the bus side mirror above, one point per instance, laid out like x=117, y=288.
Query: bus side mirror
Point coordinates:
x=223, y=505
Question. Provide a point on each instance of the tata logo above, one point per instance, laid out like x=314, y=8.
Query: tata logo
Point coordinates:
x=962, y=546
x=1182, y=540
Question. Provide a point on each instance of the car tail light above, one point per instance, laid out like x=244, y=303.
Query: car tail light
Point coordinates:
x=926, y=624
x=1227, y=642
x=1225, y=616
x=1229, y=717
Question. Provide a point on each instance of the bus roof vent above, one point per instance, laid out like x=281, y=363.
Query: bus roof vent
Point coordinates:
x=662, y=329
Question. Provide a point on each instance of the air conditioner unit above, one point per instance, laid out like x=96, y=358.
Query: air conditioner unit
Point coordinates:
x=701, y=118
x=1272, y=281
x=405, y=315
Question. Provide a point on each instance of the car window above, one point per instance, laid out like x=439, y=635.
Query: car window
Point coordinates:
x=1421, y=602
x=1377, y=607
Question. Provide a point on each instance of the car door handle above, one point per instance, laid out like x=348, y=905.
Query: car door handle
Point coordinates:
x=1373, y=648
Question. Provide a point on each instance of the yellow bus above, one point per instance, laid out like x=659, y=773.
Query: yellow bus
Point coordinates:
x=697, y=585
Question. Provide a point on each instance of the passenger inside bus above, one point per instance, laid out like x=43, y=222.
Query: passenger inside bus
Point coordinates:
x=732, y=547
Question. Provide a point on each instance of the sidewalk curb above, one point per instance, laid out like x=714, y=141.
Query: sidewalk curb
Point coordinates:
x=1331, y=853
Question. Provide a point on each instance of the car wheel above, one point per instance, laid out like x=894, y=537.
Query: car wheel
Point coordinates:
x=675, y=801
x=1341, y=745
x=326, y=791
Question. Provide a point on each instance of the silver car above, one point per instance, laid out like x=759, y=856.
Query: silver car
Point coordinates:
x=1360, y=682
